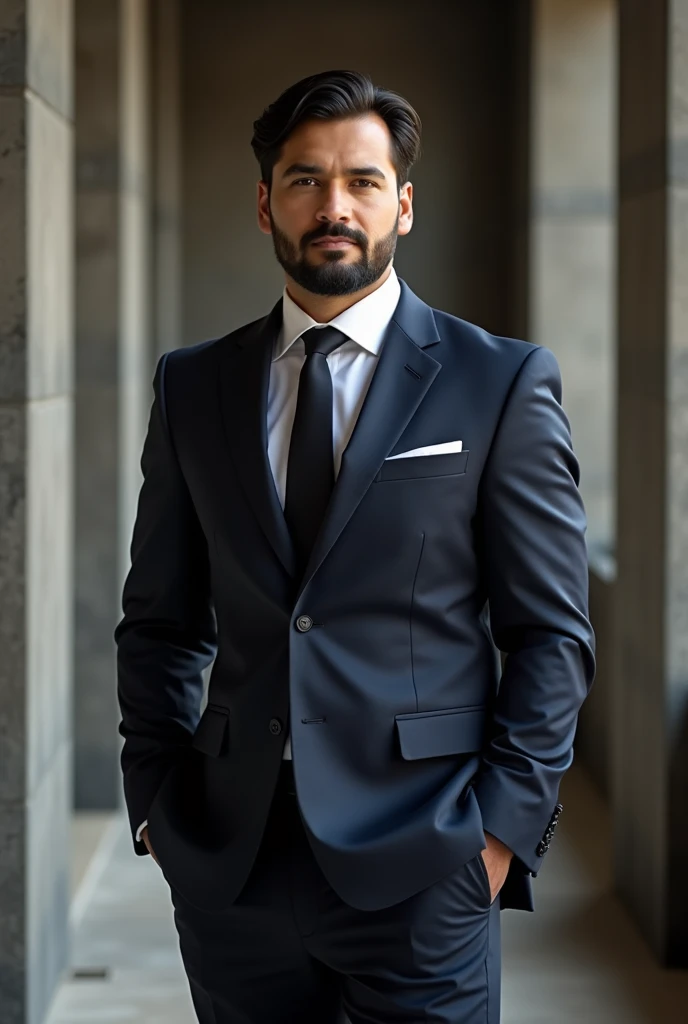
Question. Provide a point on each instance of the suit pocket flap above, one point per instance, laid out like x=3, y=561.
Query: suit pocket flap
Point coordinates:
x=211, y=732
x=423, y=466
x=441, y=733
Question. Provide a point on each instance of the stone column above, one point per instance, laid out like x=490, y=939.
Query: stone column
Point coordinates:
x=135, y=279
x=651, y=698
x=98, y=254
x=36, y=504
x=572, y=227
x=573, y=206
x=113, y=360
x=166, y=45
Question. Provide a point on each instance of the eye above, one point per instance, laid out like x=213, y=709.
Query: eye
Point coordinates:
x=366, y=182
x=301, y=181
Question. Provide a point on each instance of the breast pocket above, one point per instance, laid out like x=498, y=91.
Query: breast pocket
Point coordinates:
x=423, y=467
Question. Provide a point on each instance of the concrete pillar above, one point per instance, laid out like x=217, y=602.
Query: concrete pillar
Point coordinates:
x=98, y=255
x=113, y=360
x=166, y=99
x=519, y=115
x=36, y=504
x=573, y=206
x=651, y=698
x=135, y=280
x=572, y=227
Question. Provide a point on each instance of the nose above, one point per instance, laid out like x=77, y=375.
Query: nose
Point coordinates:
x=335, y=205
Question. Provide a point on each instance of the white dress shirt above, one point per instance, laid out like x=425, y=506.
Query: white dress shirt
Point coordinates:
x=352, y=366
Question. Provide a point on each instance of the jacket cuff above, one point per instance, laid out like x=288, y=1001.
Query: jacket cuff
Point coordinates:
x=527, y=832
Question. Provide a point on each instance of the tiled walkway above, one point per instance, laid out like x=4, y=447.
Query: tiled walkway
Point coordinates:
x=578, y=958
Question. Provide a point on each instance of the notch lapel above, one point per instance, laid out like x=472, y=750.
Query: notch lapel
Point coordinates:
x=402, y=377
x=244, y=381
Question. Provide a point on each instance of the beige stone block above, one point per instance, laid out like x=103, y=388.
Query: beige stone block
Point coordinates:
x=50, y=251
x=50, y=55
x=13, y=248
x=574, y=94
x=678, y=269
x=49, y=573
x=572, y=303
x=678, y=37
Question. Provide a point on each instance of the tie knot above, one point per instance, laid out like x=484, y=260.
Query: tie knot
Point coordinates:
x=323, y=340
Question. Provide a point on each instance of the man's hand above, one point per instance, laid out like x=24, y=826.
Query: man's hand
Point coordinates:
x=144, y=836
x=497, y=858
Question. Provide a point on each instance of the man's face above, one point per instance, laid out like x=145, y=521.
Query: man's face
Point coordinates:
x=335, y=209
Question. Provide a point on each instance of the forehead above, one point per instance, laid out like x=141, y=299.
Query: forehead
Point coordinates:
x=352, y=142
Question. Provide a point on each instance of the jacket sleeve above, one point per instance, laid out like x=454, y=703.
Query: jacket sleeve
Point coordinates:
x=168, y=634
x=531, y=526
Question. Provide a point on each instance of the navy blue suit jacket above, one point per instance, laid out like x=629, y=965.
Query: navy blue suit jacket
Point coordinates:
x=409, y=742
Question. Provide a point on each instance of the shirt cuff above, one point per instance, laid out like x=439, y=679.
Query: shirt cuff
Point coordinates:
x=140, y=830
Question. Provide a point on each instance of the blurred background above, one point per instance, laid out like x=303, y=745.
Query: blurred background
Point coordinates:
x=552, y=204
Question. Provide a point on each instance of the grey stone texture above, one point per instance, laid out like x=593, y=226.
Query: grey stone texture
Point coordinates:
x=47, y=867
x=50, y=53
x=113, y=360
x=13, y=298
x=650, y=771
x=166, y=77
x=135, y=348
x=36, y=515
x=572, y=224
x=36, y=50
x=98, y=87
x=50, y=239
x=49, y=520
x=572, y=287
x=13, y=638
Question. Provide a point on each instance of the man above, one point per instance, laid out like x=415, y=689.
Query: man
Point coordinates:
x=334, y=499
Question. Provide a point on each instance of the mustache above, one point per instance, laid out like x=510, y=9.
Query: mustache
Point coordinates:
x=335, y=231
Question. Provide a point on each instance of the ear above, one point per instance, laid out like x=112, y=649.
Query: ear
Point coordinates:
x=405, y=209
x=264, y=208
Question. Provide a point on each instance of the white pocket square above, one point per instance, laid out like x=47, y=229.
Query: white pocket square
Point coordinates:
x=446, y=448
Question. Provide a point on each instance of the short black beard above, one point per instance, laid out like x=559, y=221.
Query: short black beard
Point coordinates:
x=335, y=277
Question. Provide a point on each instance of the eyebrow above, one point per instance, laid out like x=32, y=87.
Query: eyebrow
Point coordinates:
x=364, y=172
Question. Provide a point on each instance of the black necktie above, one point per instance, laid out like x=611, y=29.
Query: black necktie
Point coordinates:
x=310, y=468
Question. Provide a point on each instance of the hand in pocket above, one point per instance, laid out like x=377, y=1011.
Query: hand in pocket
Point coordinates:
x=144, y=836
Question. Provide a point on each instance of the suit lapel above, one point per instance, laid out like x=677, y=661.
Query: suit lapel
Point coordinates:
x=402, y=377
x=245, y=377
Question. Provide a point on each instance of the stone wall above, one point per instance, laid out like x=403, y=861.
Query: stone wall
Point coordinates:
x=36, y=505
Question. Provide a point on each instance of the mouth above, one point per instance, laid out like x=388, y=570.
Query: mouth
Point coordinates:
x=333, y=243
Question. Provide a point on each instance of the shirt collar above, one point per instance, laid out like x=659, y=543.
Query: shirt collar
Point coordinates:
x=365, y=322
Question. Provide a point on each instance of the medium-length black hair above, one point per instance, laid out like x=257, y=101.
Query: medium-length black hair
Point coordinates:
x=334, y=96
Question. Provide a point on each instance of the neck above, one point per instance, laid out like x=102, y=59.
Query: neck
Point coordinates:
x=323, y=308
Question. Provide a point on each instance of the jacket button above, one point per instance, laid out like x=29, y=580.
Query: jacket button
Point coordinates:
x=275, y=726
x=304, y=623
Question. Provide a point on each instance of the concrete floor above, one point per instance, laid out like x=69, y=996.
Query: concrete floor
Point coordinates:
x=578, y=958
x=88, y=832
